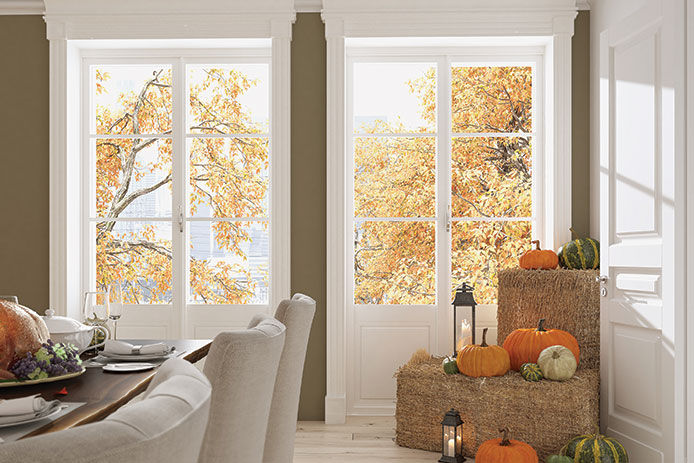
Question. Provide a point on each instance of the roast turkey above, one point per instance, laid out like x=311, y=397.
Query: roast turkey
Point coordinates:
x=21, y=330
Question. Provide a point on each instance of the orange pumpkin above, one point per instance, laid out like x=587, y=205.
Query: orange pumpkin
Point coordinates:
x=505, y=450
x=483, y=360
x=524, y=345
x=538, y=258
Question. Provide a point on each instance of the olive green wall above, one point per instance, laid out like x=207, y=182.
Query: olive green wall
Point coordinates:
x=580, y=134
x=308, y=197
x=24, y=168
x=24, y=159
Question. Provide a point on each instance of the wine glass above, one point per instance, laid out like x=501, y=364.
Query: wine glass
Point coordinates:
x=116, y=297
x=96, y=307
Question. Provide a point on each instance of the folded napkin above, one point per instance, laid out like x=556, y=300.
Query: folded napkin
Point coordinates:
x=25, y=408
x=125, y=348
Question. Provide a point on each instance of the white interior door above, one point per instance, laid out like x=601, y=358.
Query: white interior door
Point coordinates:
x=638, y=161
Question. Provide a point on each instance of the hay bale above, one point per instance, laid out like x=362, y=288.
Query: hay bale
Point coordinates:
x=545, y=414
x=568, y=299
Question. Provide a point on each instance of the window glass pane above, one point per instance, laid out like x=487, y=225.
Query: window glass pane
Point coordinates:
x=228, y=177
x=133, y=177
x=491, y=99
x=139, y=255
x=228, y=98
x=229, y=262
x=481, y=249
x=491, y=177
x=394, y=97
x=394, y=263
x=394, y=177
x=131, y=99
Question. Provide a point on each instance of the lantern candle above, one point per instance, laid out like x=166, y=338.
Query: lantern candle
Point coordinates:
x=465, y=337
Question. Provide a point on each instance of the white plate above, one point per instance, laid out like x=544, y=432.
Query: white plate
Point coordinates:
x=128, y=367
x=57, y=410
x=50, y=379
x=135, y=357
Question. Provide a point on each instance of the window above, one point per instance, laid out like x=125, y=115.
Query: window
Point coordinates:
x=178, y=206
x=443, y=185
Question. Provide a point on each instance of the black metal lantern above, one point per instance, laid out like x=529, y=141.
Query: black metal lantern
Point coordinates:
x=452, y=438
x=463, y=298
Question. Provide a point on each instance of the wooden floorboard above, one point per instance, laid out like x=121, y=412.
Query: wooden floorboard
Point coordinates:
x=359, y=440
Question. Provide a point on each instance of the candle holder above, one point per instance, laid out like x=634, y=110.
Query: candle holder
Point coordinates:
x=463, y=299
x=452, y=438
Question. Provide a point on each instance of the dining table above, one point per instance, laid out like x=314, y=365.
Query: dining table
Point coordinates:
x=101, y=392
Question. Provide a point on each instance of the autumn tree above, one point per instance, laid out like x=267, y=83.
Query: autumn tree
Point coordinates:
x=226, y=175
x=491, y=183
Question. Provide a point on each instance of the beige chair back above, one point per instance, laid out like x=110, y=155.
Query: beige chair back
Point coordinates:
x=242, y=367
x=167, y=426
x=297, y=315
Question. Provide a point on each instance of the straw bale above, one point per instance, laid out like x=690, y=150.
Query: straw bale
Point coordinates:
x=544, y=414
x=568, y=299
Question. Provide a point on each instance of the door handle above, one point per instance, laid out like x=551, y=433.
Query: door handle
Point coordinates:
x=601, y=279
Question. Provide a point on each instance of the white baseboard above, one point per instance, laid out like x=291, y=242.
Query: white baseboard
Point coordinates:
x=335, y=409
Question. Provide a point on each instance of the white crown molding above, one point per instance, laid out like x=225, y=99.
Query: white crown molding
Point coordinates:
x=168, y=19
x=583, y=4
x=21, y=7
x=308, y=6
x=447, y=18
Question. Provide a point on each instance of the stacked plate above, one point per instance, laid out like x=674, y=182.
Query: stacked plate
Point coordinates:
x=14, y=412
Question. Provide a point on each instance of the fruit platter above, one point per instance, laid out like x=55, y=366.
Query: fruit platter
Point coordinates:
x=27, y=355
x=52, y=362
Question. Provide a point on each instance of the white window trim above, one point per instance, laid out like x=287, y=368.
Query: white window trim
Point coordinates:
x=545, y=23
x=72, y=26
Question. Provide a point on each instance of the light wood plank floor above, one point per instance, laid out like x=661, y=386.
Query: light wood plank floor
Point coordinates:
x=360, y=440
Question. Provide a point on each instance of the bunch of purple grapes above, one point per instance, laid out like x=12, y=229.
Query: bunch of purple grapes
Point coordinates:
x=50, y=360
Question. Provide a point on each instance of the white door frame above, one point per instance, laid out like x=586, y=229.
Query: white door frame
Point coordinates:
x=689, y=74
x=551, y=20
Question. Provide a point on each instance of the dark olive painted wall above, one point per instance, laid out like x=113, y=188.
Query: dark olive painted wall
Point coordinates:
x=24, y=159
x=24, y=168
x=580, y=134
x=308, y=197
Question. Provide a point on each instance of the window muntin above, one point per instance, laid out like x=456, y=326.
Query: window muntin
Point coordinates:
x=141, y=193
x=486, y=160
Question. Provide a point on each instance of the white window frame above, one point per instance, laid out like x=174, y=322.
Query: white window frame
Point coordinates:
x=75, y=27
x=178, y=59
x=547, y=24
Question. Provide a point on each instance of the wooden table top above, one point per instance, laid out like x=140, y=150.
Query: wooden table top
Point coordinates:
x=103, y=392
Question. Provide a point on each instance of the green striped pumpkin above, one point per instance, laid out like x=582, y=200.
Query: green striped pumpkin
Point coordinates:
x=591, y=448
x=531, y=372
x=581, y=253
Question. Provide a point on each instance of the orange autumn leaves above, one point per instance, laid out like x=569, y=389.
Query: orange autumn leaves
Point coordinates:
x=227, y=178
x=491, y=178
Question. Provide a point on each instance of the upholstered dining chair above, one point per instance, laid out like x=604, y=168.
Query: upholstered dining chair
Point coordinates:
x=297, y=315
x=242, y=367
x=167, y=425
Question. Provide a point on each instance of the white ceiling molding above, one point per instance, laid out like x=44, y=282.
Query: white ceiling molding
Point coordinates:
x=21, y=7
x=168, y=19
x=308, y=6
x=448, y=18
x=583, y=4
x=30, y=7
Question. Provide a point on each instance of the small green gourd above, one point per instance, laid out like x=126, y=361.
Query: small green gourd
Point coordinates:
x=531, y=372
x=450, y=367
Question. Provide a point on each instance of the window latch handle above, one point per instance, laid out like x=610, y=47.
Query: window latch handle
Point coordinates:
x=180, y=220
x=448, y=221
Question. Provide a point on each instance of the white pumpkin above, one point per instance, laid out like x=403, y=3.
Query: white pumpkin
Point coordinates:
x=557, y=363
